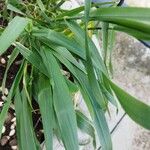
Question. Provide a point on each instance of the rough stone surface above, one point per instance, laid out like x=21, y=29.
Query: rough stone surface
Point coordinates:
x=131, y=71
x=142, y=3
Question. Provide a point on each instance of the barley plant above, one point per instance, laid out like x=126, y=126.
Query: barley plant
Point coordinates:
x=59, y=59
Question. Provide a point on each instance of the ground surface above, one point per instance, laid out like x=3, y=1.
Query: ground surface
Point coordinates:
x=132, y=72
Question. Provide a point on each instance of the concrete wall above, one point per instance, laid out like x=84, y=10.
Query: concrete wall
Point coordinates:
x=138, y=3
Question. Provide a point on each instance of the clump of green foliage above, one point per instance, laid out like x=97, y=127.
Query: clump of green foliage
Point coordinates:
x=51, y=41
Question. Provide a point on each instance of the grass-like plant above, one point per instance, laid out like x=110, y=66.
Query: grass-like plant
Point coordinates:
x=52, y=41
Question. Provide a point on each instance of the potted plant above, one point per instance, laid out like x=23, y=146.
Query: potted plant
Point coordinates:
x=59, y=58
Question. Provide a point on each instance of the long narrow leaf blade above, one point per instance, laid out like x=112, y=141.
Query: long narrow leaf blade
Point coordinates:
x=105, y=27
x=133, y=32
x=61, y=40
x=62, y=102
x=87, y=9
x=32, y=57
x=46, y=109
x=28, y=139
x=98, y=118
x=97, y=114
x=97, y=97
x=80, y=37
x=14, y=86
x=18, y=111
x=85, y=125
x=128, y=17
x=13, y=56
x=136, y=109
x=14, y=9
x=122, y=12
x=12, y=32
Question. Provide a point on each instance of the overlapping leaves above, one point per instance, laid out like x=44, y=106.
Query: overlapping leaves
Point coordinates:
x=47, y=53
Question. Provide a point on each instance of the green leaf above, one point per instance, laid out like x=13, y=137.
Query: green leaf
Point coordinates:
x=13, y=56
x=77, y=73
x=111, y=46
x=14, y=9
x=77, y=10
x=15, y=2
x=126, y=16
x=28, y=139
x=46, y=109
x=102, y=128
x=121, y=12
x=71, y=12
x=87, y=9
x=136, y=109
x=64, y=61
x=42, y=12
x=108, y=95
x=14, y=86
x=85, y=125
x=18, y=111
x=61, y=40
x=98, y=117
x=97, y=113
x=105, y=27
x=90, y=69
x=73, y=88
x=22, y=136
x=63, y=103
x=97, y=100
x=142, y=26
x=133, y=32
x=80, y=37
x=34, y=58
x=41, y=5
x=66, y=54
x=12, y=32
